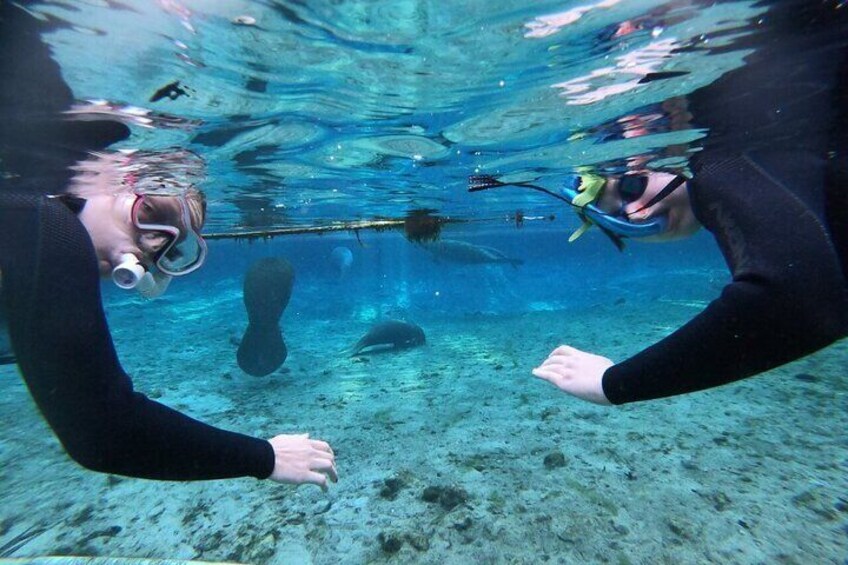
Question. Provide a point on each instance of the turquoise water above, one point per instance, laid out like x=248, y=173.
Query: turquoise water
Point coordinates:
x=322, y=113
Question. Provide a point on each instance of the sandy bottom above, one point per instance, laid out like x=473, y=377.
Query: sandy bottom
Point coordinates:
x=755, y=472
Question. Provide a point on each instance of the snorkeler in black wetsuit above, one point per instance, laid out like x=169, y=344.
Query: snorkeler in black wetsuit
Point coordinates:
x=770, y=183
x=51, y=294
x=50, y=266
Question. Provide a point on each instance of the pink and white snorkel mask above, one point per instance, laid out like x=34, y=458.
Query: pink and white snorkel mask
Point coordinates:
x=185, y=250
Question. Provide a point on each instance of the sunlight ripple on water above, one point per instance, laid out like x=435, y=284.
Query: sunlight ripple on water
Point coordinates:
x=365, y=109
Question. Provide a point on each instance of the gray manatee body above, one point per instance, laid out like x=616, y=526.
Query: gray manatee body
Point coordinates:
x=456, y=251
x=394, y=334
x=267, y=289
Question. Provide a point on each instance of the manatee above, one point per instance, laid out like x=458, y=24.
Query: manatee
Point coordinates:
x=456, y=251
x=267, y=289
x=342, y=259
x=392, y=334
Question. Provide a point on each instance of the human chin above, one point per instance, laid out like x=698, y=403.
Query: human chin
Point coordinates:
x=105, y=267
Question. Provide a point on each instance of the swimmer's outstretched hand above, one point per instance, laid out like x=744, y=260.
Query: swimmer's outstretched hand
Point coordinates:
x=576, y=372
x=299, y=460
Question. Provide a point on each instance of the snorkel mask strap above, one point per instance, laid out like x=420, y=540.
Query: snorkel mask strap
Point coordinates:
x=675, y=183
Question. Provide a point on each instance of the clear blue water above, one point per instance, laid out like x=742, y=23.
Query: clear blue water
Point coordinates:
x=328, y=112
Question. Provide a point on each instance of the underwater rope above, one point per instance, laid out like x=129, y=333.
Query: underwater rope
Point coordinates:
x=355, y=226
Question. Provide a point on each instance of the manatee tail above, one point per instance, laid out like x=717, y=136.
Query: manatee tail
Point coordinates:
x=262, y=350
x=354, y=349
x=267, y=289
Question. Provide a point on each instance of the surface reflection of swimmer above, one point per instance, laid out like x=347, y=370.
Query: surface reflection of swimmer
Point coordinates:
x=771, y=184
x=132, y=216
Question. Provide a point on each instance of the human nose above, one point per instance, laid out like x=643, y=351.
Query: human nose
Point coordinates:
x=152, y=242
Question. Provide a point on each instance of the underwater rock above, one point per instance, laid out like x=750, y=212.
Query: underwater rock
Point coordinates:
x=391, y=487
x=393, y=334
x=554, y=460
x=390, y=542
x=721, y=501
x=447, y=497
x=267, y=289
x=431, y=494
x=679, y=527
x=419, y=541
x=468, y=529
x=463, y=525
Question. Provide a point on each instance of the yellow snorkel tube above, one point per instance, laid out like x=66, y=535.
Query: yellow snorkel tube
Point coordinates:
x=585, y=189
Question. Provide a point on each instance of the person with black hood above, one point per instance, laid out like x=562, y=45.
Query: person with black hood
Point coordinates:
x=770, y=182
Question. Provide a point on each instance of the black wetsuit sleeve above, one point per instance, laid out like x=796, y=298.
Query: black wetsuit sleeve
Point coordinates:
x=787, y=297
x=51, y=293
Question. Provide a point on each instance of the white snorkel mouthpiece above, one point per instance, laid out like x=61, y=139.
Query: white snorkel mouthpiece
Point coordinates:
x=129, y=273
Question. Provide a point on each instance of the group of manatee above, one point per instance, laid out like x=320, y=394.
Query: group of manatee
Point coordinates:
x=267, y=290
x=268, y=286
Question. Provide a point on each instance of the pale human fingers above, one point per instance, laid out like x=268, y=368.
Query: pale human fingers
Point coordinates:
x=321, y=445
x=329, y=470
x=564, y=350
x=323, y=456
x=323, y=462
x=552, y=377
x=315, y=478
x=562, y=360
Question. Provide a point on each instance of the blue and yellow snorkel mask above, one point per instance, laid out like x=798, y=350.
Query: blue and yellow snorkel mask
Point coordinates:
x=582, y=191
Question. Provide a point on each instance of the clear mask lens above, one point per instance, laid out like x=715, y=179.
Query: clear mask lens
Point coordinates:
x=183, y=250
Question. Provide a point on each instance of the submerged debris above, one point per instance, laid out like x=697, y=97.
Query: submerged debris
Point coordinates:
x=422, y=225
x=447, y=497
x=244, y=20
